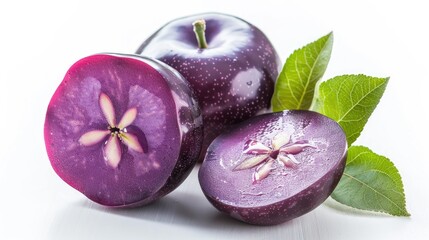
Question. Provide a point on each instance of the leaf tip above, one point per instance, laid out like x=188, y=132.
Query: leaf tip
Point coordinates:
x=387, y=79
x=404, y=213
x=330, y=39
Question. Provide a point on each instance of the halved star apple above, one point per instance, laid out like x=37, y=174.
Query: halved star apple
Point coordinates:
x=123, y=129
x=274, y=167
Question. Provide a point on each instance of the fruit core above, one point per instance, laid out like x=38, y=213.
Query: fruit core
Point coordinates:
x=112, y=149
x=114, y=130
x=266, y=158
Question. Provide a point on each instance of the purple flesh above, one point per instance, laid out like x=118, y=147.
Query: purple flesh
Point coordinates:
x=274, y=167
x=124, y=130
x=233, y=78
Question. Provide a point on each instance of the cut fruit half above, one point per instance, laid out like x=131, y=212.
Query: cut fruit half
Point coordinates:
x=122, y=129
x=274, y=167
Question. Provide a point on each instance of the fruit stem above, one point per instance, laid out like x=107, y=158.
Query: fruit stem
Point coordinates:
x=199, y=29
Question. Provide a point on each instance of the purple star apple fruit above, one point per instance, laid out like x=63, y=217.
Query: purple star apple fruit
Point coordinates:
x=122, y=129
x=231, y=65
x=274, y=167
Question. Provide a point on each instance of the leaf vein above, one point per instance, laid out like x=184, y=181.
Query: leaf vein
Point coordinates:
x=377, y=192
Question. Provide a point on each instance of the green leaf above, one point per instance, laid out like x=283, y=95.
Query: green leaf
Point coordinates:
x=371, y=182
x=304, y=67
x=350, y=100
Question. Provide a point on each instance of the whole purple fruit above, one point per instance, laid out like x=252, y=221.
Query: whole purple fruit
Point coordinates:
x=124, y=130
x=231, y=65
x=274, y=167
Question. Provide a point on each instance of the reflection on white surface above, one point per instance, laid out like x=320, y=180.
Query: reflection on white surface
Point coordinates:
x=186, y=212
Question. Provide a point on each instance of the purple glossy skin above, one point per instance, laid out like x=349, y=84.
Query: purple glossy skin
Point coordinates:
x=167, y=126
x=285, y=191
x=233, y=78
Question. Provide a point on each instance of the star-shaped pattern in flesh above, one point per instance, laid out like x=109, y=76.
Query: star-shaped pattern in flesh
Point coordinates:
x=112, y=150
x=263, y=157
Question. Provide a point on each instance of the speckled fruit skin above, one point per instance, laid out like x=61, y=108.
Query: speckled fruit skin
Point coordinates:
x=286, y=193
x=233, y=78
x=168, y=126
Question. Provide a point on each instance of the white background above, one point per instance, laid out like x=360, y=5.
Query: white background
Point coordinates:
x=39, y=40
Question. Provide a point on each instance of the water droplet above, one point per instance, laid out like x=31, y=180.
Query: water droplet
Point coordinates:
x=249, y=83
x=251, y=193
